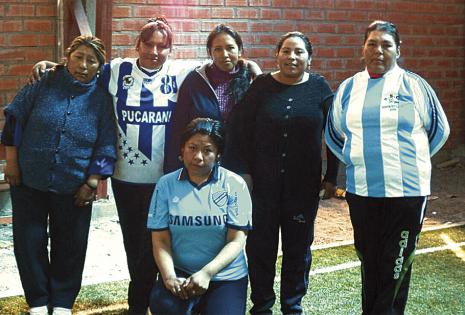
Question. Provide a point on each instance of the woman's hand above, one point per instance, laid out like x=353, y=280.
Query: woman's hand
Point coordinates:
x=84, y=196
x=12, y=173
x=197, y=284
x=175, y=286
x=39, y=69
x=327, y=190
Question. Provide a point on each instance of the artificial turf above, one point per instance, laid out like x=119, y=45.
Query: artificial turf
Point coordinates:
x=437, y=286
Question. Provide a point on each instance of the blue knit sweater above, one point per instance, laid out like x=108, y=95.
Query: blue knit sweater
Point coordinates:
x=66, y=126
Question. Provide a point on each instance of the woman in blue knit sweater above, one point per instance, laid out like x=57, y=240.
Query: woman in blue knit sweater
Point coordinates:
x=60, y=140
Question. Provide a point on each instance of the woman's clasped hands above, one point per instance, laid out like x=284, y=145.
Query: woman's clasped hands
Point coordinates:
x=195, y=285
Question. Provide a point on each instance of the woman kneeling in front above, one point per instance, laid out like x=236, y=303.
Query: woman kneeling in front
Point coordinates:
x=199, y=217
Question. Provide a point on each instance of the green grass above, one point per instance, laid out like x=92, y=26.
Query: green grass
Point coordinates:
x=437, y=286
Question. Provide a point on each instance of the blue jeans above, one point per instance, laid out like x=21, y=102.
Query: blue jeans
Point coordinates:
x=222, y=297
x=55, y=282
x=132, y=203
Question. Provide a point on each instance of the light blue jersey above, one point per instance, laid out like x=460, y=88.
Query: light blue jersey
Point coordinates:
x=385, y=130
x=198, y=218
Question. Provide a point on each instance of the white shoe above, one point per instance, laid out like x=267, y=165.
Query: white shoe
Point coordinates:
x=61, y=311
x=40, y=310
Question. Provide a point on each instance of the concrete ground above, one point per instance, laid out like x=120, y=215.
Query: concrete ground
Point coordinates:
x=105, y=261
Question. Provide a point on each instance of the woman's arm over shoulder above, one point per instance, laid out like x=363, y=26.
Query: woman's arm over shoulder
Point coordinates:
x=181, y=116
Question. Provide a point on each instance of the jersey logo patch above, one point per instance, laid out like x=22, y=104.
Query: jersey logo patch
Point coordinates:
x=128, y=81
x=220, y=198
x=392, y=102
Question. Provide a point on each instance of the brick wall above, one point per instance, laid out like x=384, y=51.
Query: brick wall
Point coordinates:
x=27, y=34
x=432, y=32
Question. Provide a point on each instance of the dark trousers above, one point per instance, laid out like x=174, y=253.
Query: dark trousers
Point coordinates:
x=55, y=281
x=132, y=203
x=386, y=232
x=222, y=297
x=297, y=230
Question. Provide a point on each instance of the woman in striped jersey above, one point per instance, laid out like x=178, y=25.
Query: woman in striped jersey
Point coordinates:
x=385, y=124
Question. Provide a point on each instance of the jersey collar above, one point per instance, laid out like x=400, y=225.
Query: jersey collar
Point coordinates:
x=214, y=175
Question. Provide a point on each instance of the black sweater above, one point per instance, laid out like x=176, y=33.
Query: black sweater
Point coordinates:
x=275, y=135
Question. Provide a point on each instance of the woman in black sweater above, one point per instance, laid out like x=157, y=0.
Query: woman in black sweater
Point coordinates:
x=274, y=142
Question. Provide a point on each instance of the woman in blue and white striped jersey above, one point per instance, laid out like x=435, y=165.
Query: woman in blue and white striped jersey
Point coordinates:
x=385, y=124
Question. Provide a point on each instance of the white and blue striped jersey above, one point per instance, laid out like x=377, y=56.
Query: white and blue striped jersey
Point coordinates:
x=143, y=105
x=385, y=130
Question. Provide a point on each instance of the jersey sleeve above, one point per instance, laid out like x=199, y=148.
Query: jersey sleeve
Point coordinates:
x=334, y=135
x=239, y=207
x=158, y=217
x=105, y=75
x=433, y=117
x=181, y=116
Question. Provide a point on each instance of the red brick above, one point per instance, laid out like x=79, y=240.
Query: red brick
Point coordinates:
x=11, y=26
x=211, y=2
x=344, y=4
x=247, y=13
x=189, y=39
x=281, y=4
x=207, y=26
x=23, y=69
x=20, y=10
x=38, y=25
x=8, y=84
x=184, y=26
x=325, y=52
x=284, y=27
x=306, y=27
x=2, y=10
x=259, y=52
x=267, y=39
x=46, y=10
x=345, y=28
x=261, y=26
x=259, y=3
x=337, y=15
x=290, y=14
x=222, y=13
x=36, y=54
x=185, y=54
x=122, y=39
x=129, y=1
x=270, y=14
x=370, y=5
x=236, y=3
x=183, y=2
x=313, y=15
x=23, y=40
x=129, y=25
x=47, y=40
x=123, y=11
x=326, y=28
x=333, y=40
x=323, y=4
